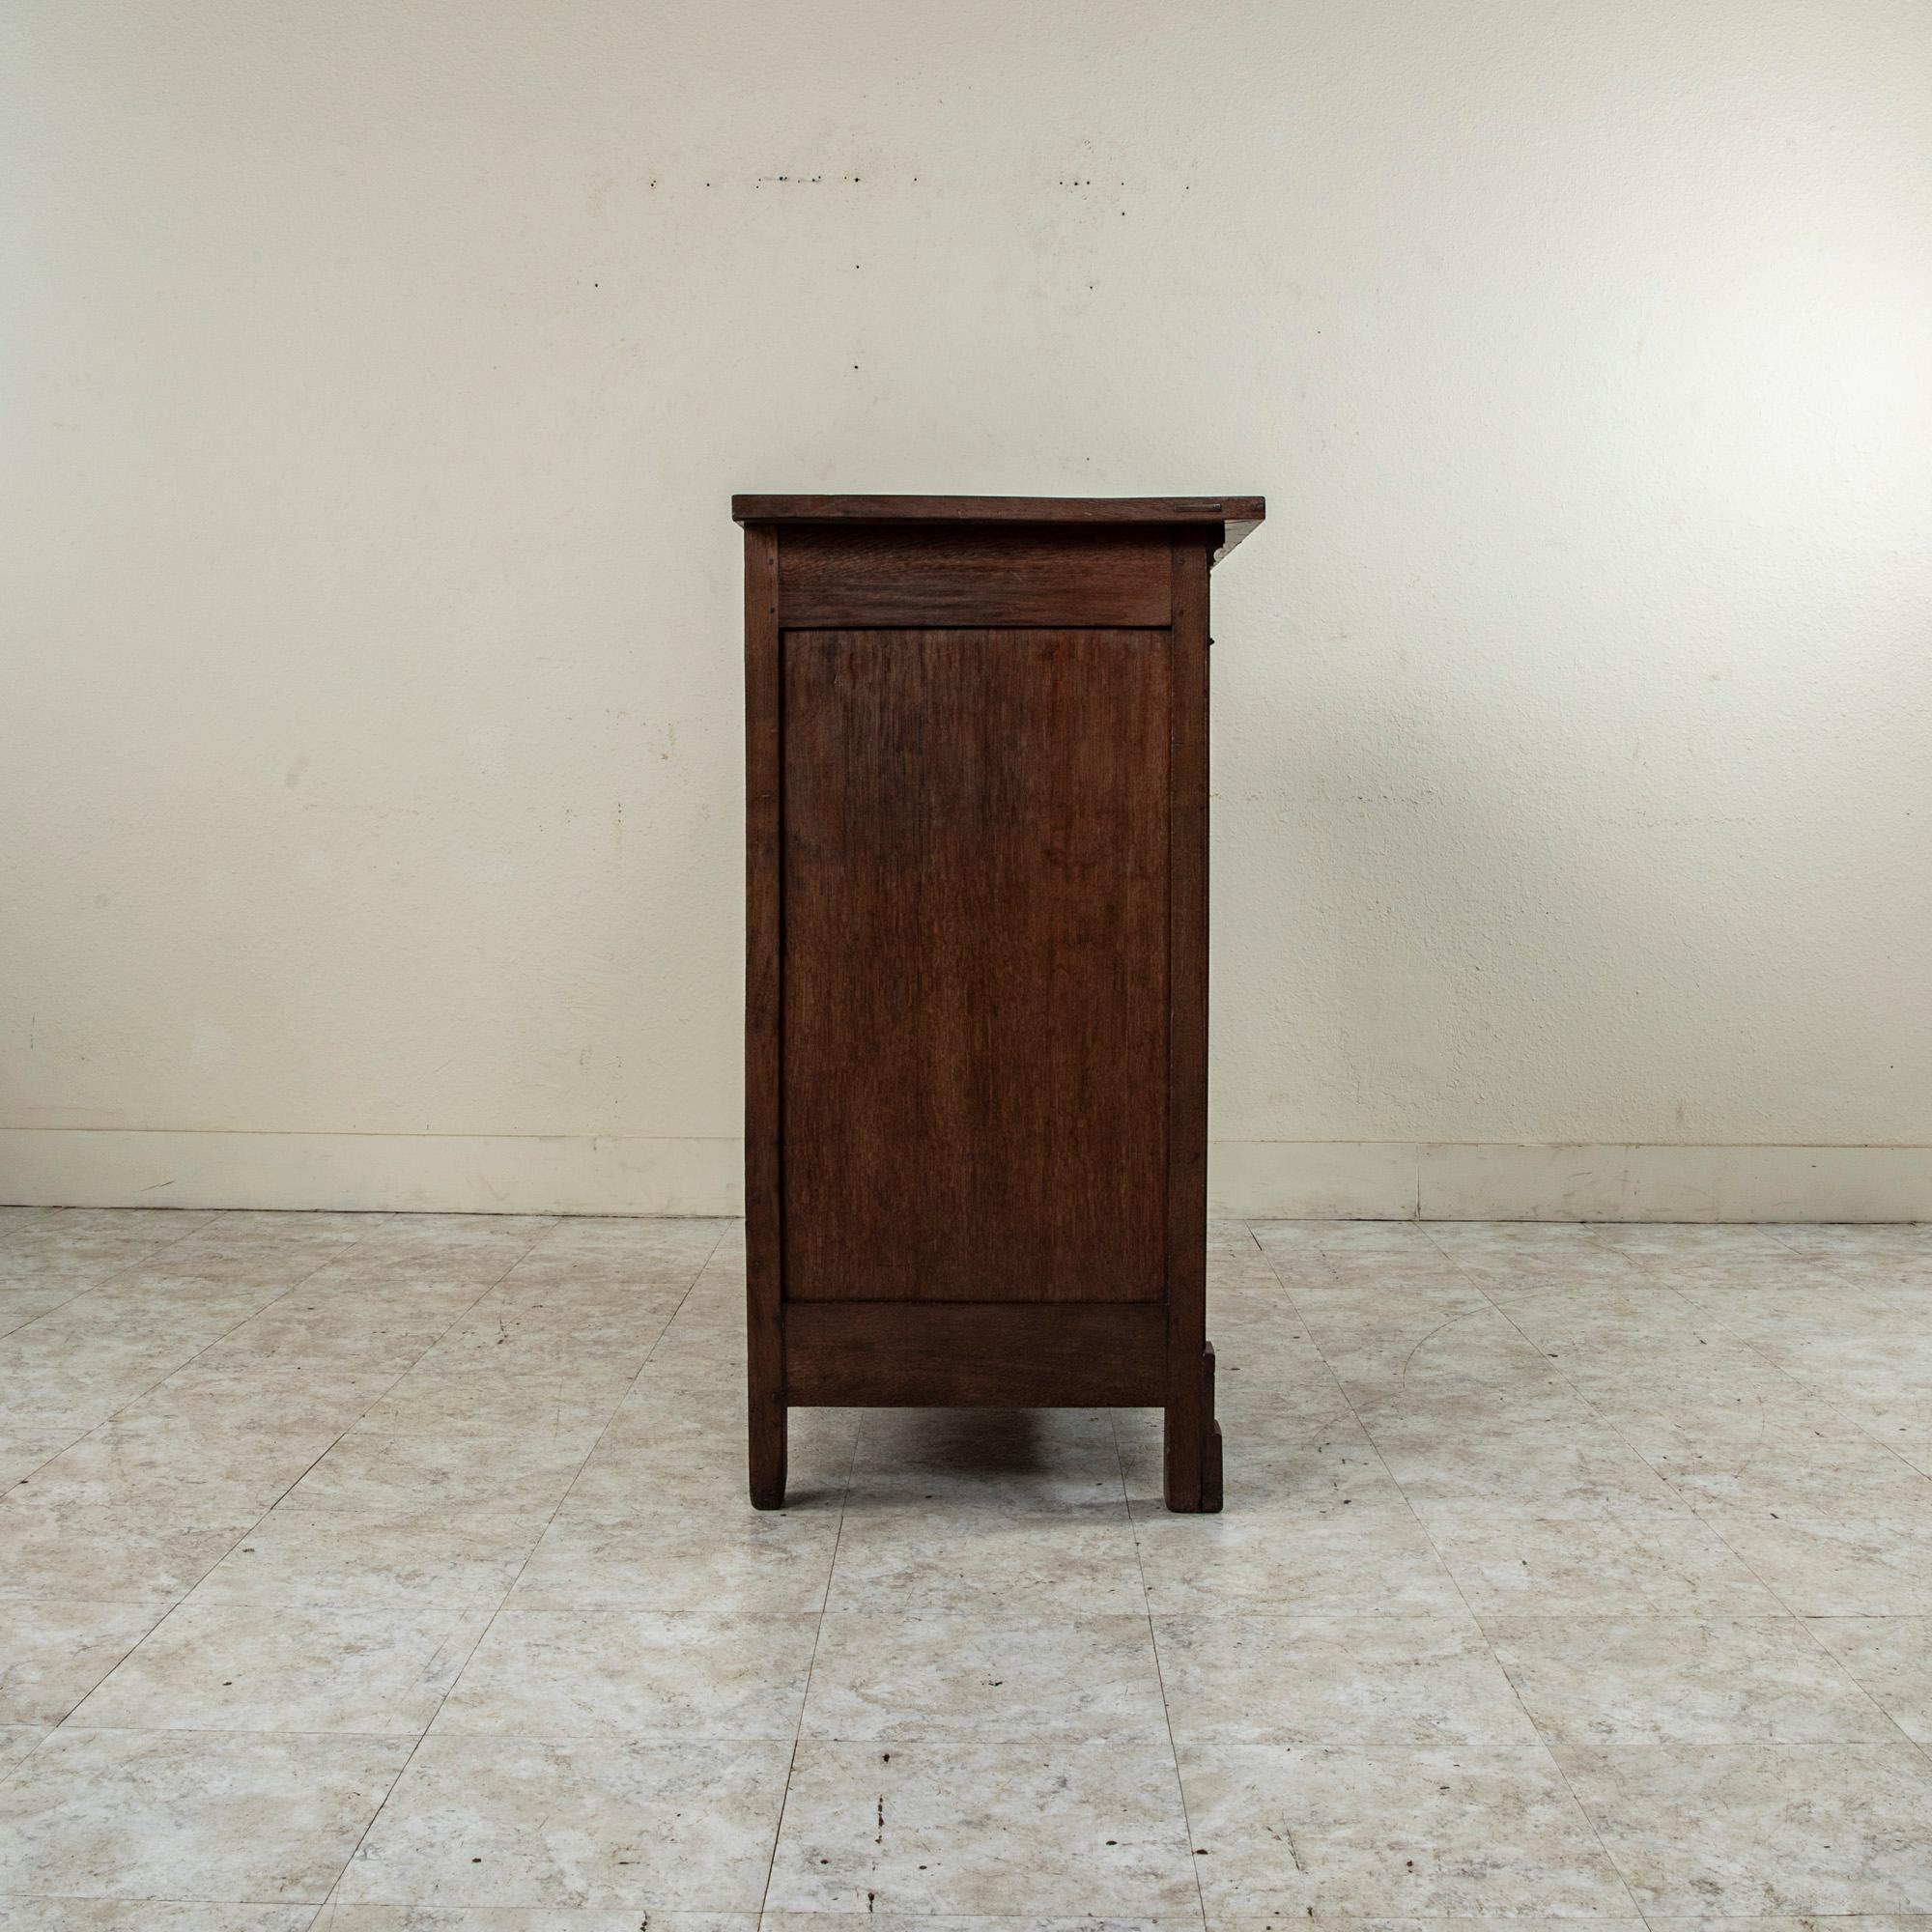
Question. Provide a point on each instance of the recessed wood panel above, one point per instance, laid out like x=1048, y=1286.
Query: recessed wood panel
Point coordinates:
x=974, y=965
x=854, y=575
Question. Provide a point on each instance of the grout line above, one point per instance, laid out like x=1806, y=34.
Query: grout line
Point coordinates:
x=1808, y=1389
x=1489, y=1644
x=288, y=1489
x=244, y=1536
x=1160, y=1675
x=490, y=1622
x=1645, y=1264
x=812, y=1664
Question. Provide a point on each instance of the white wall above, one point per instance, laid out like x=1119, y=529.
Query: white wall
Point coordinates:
x=375, y=376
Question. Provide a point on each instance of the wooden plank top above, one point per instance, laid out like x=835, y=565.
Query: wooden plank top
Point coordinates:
x=1236, y=514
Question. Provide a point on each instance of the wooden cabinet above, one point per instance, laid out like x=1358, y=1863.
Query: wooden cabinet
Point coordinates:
x=975, y=1035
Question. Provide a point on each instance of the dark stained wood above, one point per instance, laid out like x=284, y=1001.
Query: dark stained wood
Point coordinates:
x=1189, y=1412
x=763, y=1194
x=975, y=965
x=1238, y=515
x=851, y=576
x=977, y=1354
x=976, y=989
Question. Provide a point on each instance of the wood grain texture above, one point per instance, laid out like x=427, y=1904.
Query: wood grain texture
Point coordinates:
x=856, y=576
x=977, y=958
x=763, y=917
x=1189, y=1412
x=974, y=965
x=986, y=1355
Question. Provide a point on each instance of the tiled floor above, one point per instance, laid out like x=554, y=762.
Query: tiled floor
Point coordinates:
x=386, y=1573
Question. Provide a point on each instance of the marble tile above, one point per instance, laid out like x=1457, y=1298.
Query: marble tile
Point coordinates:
x=430, y=1400
x=1890, y=1364
x=1472, y=1349
x=85, y=1242
x=1573, y=1323
x=520, y=1822
x=267, y=1425
x=1232, y=1242
x=321, y=1339
x=1836, y=1567
x=1783, y=1321
x=168, y=1446
x=1369, y=1562
x=139, y=1814
x=657, y=1448
x=590, y=1305
x=661, y=1556
x=1633, y=1447
x=1346, y=1681
x=890, y=1675
x=1508, y=1560
x=1890, y=1657
x=923, y=1922
x=500, y=1238
x=1662, y=1680
x=334, y=1917
x=1847, y=1240
x=694, y=1356
x=1486, y=1833
x=1686, y=1255
x=1522, y=1921
x=376, y=1470
x=979, y=1561
x=1539, y=1448
x=1750, y=1830
x=107, y=1915
x=54, y=1373
x=160, y=1470
x=637, y=1673
x=114, y=1552
x=667, y=1249
x=577, y=1324
x=1283, y=1456
x=54, y=1651
x=456, y=1559
x=24, y=1300
x=1903, y=1425
x=1523, y=1258
x=213, y=1666
x=1791, y=1456
x=259, y=1385
x=1376, y=1254
x=955, y=1826
x=22, y=1451
x=975, y=1456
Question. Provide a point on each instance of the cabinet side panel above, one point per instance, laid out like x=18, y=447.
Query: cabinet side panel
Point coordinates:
x=974, y=965
x=763, y=917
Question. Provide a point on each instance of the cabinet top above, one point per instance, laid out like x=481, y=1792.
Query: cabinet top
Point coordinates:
x=1236, y=514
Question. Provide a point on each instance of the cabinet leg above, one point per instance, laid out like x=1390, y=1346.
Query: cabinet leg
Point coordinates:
x=767, y=1452
x=1193, y=1446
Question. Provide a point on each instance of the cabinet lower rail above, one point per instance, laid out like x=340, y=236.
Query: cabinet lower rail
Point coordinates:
x=970, y=1355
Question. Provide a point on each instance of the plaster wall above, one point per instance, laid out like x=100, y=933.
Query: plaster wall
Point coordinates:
x=375, y=379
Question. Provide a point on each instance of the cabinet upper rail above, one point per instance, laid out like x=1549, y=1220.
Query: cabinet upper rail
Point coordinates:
x=1236, y=514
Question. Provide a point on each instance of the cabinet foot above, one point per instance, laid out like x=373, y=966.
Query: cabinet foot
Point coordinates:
x=768, y=1454
x=1193, y=1447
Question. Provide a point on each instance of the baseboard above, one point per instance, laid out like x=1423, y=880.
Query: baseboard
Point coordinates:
x=453, y=1174
x=1501, y=1181
x=618, y=1174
